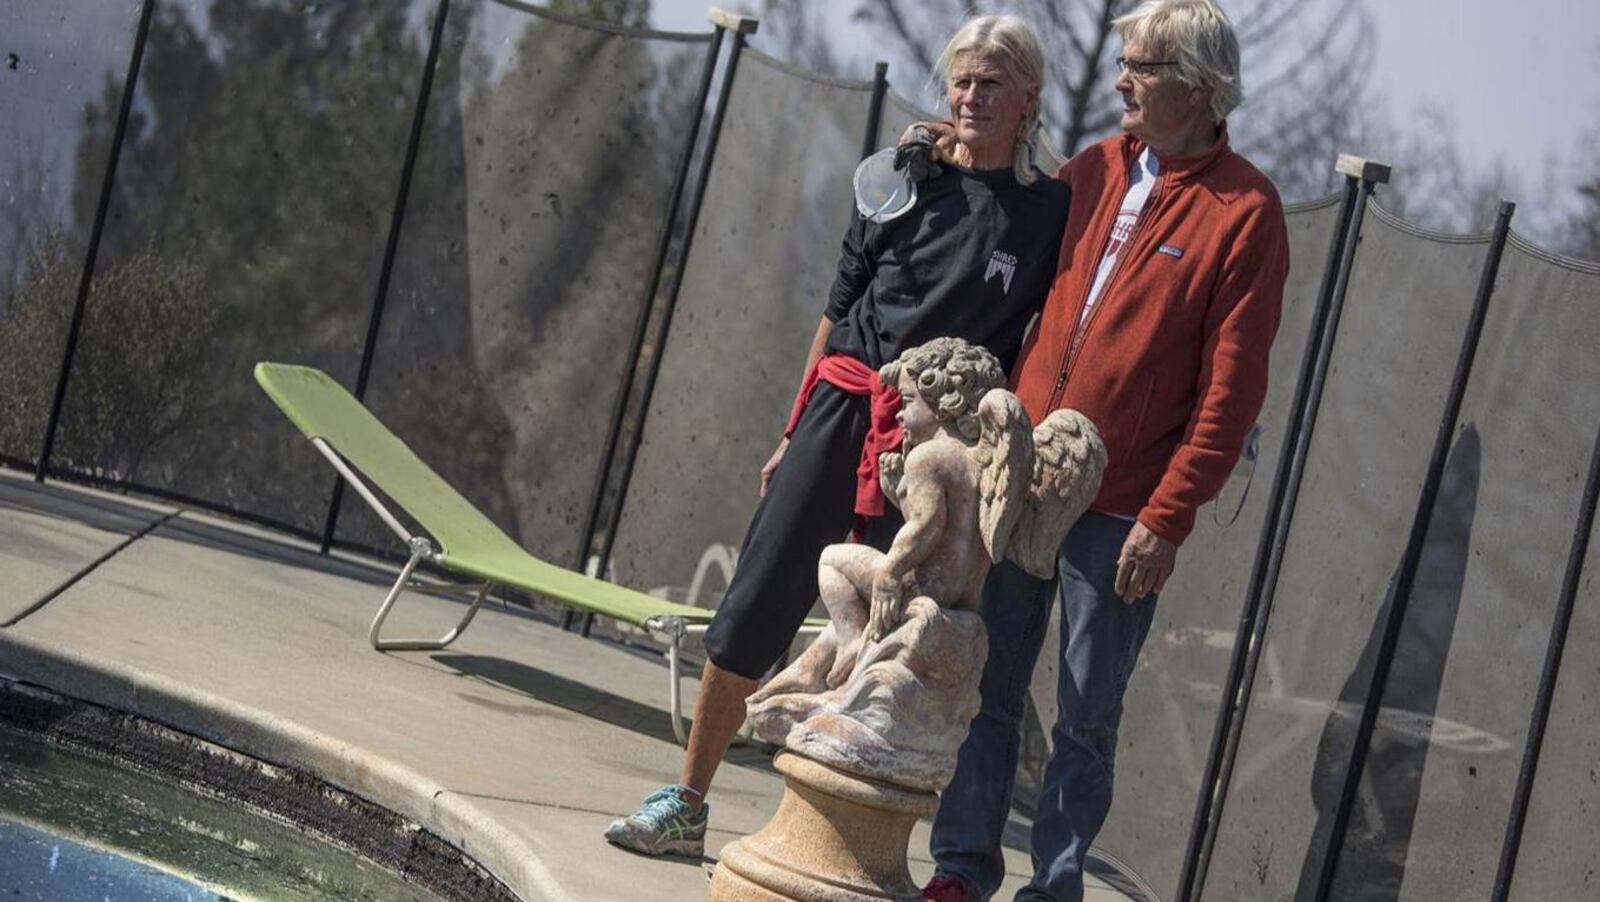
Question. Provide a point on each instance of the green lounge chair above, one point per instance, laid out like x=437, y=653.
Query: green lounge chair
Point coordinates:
x=463, y=539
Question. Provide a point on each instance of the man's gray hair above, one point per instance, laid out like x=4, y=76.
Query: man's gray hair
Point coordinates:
x=1011, y=43
x=1196, y=34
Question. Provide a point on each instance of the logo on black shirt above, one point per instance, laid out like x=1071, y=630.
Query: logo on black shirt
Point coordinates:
x=1003, y=263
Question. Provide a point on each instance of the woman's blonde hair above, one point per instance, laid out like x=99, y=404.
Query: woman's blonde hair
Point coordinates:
x=1198, y=36
x=1008, y=41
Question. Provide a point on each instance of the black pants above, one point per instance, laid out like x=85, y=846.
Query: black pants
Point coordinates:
x=810, y=504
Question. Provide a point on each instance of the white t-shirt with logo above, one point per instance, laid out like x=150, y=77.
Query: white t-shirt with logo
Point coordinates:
x=1141, y=178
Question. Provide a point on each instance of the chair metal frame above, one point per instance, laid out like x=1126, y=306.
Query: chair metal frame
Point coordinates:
x=671, y=630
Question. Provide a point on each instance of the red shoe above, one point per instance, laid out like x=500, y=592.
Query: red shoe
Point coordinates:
x=945, y=888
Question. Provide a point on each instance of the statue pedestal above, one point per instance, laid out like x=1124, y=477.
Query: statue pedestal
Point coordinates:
x=836, y=837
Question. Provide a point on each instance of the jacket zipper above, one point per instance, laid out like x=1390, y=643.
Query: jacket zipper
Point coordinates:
x=1081, y=330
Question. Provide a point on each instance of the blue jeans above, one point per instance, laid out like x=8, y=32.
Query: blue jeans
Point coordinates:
x=1100, y=640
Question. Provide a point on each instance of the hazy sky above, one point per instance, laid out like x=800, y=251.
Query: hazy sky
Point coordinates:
x=1520, y=79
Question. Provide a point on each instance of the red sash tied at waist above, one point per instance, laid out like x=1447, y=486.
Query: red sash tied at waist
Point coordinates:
x=883, y=432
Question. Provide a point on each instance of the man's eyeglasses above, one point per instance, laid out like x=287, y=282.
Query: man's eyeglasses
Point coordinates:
x=1142, y=68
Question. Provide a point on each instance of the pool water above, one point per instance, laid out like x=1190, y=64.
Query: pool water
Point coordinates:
x=35, y=864
x=76, y=828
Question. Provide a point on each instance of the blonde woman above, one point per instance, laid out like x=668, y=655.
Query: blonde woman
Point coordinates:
x=973, y=259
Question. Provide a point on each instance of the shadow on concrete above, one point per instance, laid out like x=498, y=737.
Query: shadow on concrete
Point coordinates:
x=1098, y=863
x=227, y=538
x=71, y=503
x=1372, y=864
x=589, y=701
x=66, y=503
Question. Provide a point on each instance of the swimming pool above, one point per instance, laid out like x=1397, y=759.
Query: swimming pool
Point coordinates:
x=38, y=864
x=75, y=824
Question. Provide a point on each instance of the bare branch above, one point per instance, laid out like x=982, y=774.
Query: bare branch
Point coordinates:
x=1267, y=25
x=1308, y=94
x=1081, y=90
x=1057, y=21
x=890, y=14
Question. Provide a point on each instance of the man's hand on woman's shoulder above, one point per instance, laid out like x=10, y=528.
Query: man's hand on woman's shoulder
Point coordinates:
x=922, y=147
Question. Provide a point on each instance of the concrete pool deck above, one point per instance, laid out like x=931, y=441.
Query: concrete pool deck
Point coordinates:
x=517, y=744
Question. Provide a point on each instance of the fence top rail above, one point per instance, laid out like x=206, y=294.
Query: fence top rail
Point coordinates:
x=910, y=107
x=1520, y=242
x=849, y=84
x=602, y=25
x=1316, y=203
x=1588, y=267
x=1395, y=220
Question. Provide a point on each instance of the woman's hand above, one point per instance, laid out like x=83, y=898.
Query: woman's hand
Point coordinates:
x=772, y=465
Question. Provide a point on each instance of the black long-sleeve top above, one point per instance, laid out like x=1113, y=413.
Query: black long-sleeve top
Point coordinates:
x=973, y=259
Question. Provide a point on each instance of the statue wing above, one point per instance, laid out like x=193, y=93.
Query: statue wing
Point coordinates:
x=1005, y=465
x=1069, y=458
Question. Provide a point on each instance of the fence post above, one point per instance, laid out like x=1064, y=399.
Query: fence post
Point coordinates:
x=1547, y=679
x=739, y=26
x=619, y=410
x=396, y=220
x=880, y=87
x=75, y=326
x=1360, y=178
x=1413, y=553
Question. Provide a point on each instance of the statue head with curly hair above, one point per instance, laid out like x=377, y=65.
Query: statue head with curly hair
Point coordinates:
x=948, y=375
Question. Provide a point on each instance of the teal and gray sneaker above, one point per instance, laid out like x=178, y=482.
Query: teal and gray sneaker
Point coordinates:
x=663, y=825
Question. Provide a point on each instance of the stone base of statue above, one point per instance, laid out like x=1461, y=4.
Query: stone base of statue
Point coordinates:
x=836, y=837
x=873, y=714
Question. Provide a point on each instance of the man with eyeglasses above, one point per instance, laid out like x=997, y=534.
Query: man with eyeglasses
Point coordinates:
x=1165, y=303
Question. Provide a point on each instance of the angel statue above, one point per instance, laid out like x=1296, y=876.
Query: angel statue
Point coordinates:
x=888, y=689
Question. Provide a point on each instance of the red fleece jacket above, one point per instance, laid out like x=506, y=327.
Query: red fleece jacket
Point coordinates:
x=1172, y=362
